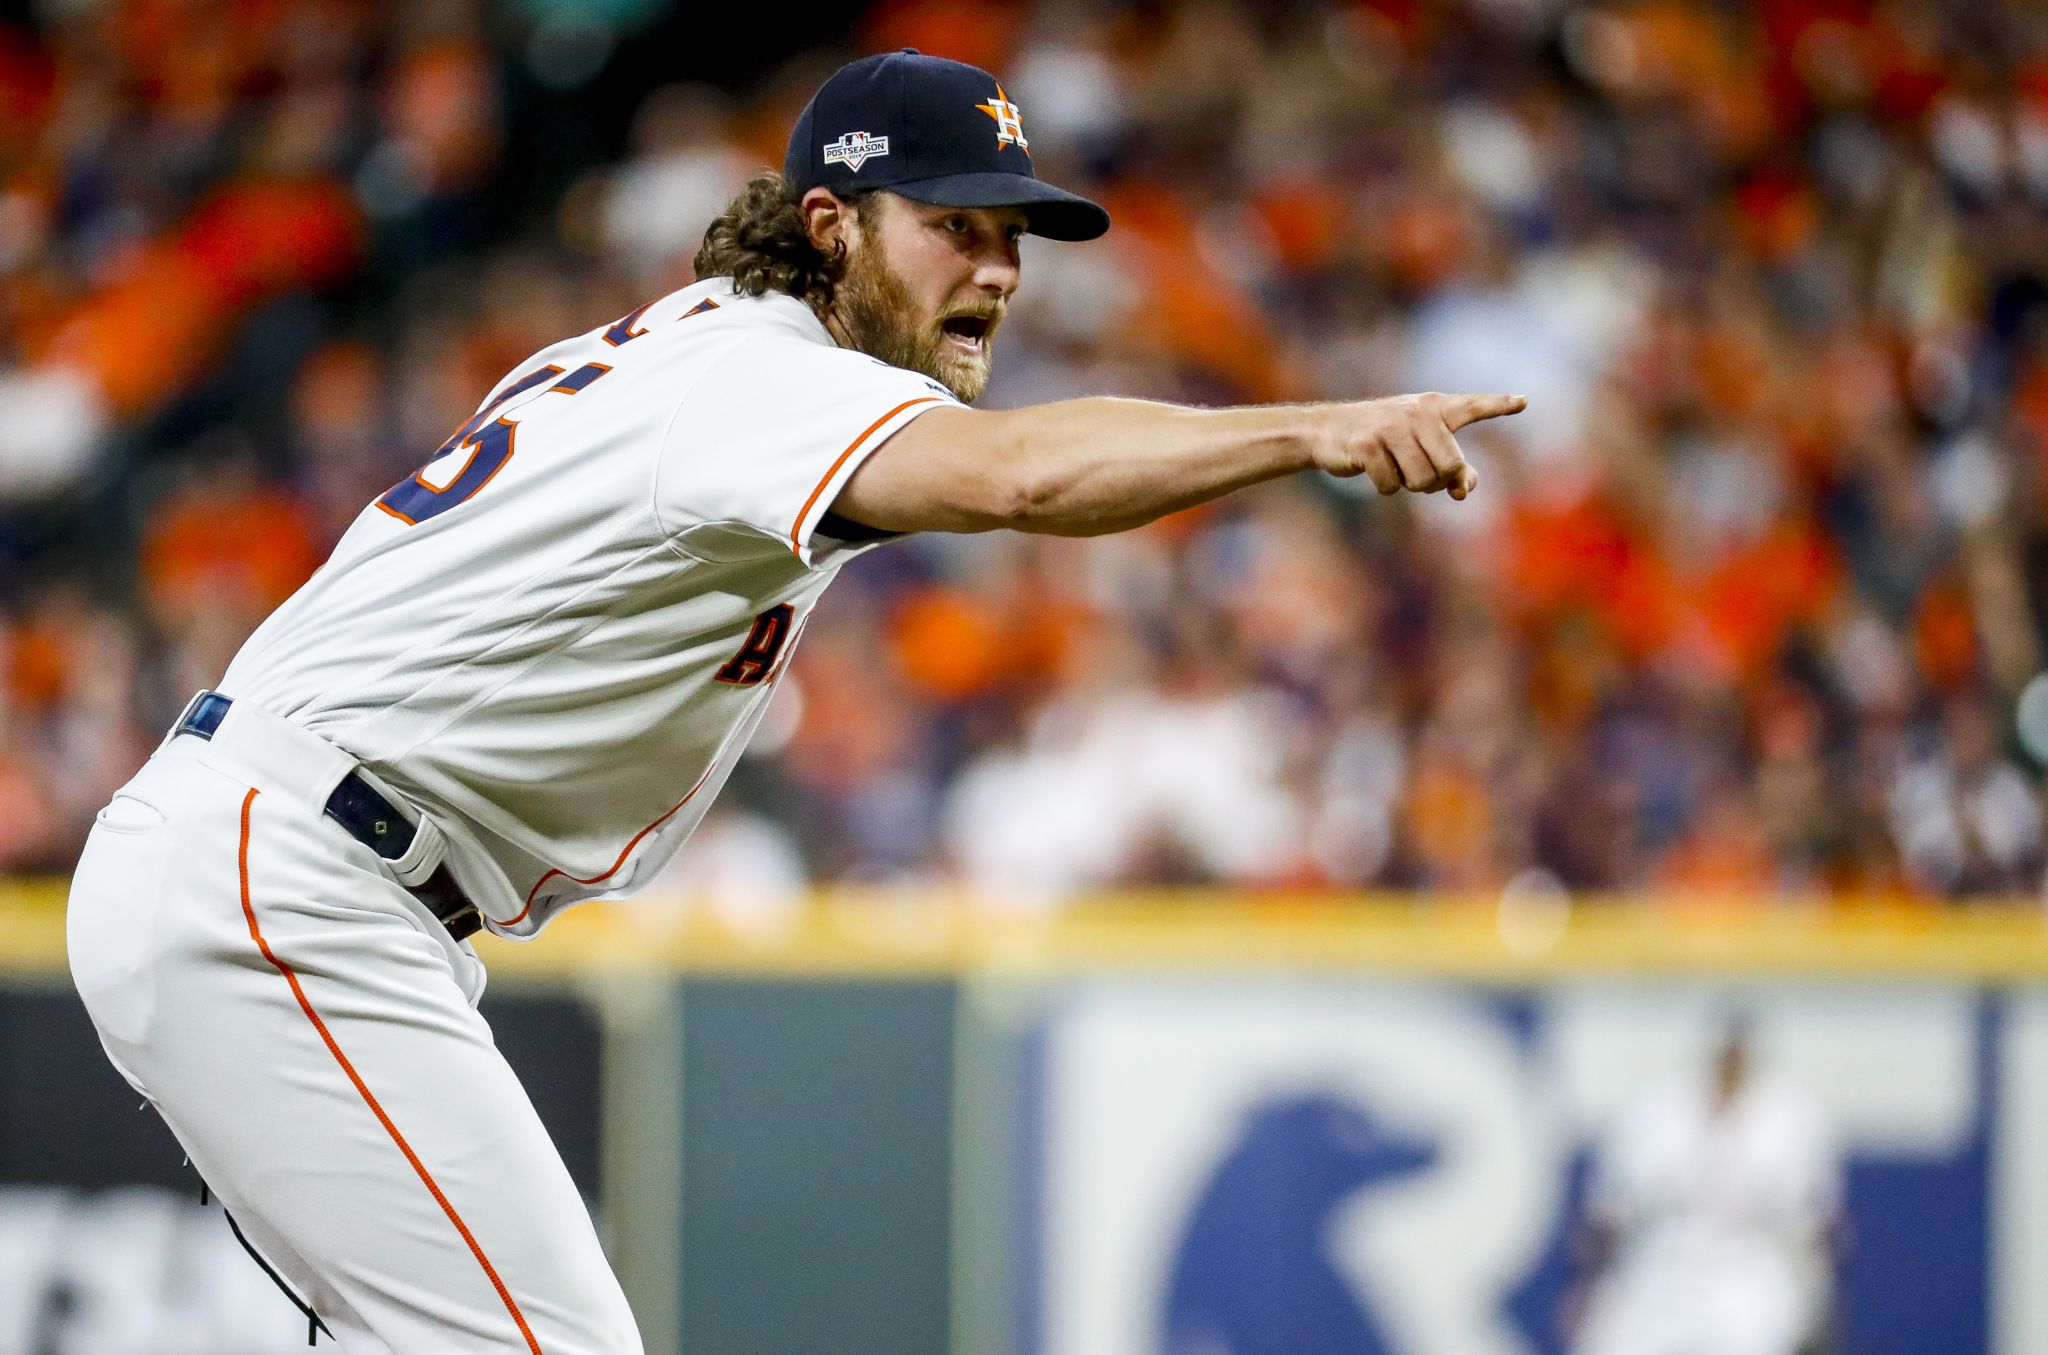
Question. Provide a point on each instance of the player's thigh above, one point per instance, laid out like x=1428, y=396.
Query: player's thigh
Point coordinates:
x=402, y=1158
x=308, y=1038
x=424, y=1197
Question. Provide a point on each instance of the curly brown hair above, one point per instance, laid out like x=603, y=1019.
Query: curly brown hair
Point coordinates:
x=761, y=243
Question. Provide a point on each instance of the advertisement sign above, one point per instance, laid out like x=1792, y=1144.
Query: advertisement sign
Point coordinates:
x=136, y=1270
x=105, y=1247
x=1364, y=1167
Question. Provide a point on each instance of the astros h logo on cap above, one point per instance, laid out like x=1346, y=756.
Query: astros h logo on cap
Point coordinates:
x=1009, y=121
x=919, y=126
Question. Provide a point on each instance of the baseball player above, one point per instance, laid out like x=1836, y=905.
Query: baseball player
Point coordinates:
x=1714, y=1218
x=528, y=668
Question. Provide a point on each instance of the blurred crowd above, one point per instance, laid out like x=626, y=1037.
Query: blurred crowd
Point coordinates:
x=1747, y=607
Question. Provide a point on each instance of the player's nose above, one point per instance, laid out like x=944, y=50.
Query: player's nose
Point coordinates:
x=998, y=270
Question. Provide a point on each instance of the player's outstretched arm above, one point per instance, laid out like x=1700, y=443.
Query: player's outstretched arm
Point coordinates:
x=1085, y=467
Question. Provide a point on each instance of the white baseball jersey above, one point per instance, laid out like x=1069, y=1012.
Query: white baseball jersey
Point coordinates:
x=1722, y=1215
x=557, y=637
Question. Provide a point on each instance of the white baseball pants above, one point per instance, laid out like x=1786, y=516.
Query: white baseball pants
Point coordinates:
x=308, y=1031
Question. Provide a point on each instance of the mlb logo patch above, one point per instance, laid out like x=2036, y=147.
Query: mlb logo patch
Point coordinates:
x=855, y=149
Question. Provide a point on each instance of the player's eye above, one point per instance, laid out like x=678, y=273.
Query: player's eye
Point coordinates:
x=956, y=224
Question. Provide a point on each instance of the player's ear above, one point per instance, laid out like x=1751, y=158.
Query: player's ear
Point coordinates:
x=826, y=217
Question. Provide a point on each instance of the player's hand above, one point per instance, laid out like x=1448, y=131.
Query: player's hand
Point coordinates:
x=1407, y=441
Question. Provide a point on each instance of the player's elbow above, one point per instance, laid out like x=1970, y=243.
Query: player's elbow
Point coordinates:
x=953, y=471
x=992, y=498
x=1054, y=502
x=1000, y=488
x=1020, y=497
x=1026, y=490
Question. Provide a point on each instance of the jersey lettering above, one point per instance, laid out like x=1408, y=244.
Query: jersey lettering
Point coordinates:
x=756, y=659
x=489, y=442
x=623, y=330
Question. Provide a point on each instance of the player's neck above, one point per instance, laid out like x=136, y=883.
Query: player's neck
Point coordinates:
x=834, y=326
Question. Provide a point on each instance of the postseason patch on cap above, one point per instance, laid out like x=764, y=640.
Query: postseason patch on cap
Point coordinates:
x=855, y=149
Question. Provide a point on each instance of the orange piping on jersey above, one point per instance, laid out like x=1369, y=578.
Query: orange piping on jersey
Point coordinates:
x=393, y=511
x=624, y=852
x=796, y=528
x=334, y=1048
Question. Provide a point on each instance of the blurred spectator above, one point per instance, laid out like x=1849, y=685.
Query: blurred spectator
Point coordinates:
x=741, y=869
x=684, y=171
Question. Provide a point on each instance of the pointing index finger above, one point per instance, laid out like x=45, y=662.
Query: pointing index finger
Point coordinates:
x=1460, y=410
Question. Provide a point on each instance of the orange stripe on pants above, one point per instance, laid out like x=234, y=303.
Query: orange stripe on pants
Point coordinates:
x=426, y=1178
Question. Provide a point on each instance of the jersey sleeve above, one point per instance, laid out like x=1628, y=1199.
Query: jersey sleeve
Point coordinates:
x=772, y=431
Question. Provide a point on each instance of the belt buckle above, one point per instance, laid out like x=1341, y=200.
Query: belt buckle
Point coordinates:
x=445, y=900
x=464, y=922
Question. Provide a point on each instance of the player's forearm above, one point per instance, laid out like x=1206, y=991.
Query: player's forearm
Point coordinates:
x=1085, y=467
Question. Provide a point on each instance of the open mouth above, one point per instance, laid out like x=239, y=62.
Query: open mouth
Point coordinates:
x=969, y=333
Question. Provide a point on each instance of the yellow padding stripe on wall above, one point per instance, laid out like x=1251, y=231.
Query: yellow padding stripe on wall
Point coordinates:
x=886, y=934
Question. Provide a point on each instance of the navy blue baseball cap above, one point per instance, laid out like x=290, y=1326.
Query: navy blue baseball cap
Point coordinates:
x=935, y=131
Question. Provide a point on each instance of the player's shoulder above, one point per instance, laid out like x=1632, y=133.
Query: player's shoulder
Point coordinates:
x=712, y=309
x=707, y=330
x=708, y=345
x=776, y=339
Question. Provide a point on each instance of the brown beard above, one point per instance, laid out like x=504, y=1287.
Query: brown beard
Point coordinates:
x=880, y=318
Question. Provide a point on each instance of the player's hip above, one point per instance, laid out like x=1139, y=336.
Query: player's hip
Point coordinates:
x=189, y=820
x=190, y=874
x=315, y=801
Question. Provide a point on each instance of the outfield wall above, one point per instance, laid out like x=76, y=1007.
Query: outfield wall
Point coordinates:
x=897, y=1125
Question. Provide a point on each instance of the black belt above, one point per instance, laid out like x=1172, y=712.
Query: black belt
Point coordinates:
x=370, y=819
